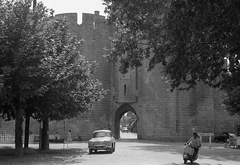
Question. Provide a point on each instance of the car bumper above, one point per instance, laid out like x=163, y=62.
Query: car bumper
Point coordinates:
x=99, y=147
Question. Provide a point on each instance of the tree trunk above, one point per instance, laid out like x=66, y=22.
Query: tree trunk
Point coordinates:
x=27, y=122
x=40, y=135
x=44, y=137
x=19, y=133
x=34, y=4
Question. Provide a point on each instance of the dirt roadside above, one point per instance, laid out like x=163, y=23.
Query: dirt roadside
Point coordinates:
x=34, y=156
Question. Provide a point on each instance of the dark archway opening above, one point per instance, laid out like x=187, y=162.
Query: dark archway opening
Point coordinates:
x=125, y=122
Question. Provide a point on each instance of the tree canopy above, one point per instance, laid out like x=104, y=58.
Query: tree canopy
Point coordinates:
x=193, y=41
x=41, y=67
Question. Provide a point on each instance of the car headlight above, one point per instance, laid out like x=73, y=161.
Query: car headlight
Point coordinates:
x=107, y=143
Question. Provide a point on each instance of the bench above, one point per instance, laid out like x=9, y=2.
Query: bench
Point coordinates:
x=206, y=134
x=55, y=139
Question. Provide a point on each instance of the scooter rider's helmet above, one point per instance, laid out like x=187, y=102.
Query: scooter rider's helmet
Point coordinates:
x=195, y=134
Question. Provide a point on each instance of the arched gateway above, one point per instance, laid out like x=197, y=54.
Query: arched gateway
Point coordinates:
x=118, y=114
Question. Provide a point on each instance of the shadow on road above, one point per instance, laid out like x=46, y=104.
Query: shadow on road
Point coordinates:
x=217, y=153
x=34, y=156
x=194, y=163
x=100, y=153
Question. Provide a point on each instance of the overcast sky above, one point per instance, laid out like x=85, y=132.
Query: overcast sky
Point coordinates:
x=75, y=6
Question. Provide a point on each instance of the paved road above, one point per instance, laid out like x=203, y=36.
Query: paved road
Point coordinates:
x=128, y=135
x=159, y=153
x=135, y=152
x=130, y=151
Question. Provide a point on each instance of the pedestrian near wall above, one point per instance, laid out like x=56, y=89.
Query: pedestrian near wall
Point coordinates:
x=69, y=139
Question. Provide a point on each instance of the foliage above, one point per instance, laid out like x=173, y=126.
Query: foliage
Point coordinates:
x=21, y=53
x=43, y=71
x=192, y=40
x=42, y=64
x=72, y=88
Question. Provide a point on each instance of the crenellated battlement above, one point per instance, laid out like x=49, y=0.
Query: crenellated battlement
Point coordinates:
x=72, y=17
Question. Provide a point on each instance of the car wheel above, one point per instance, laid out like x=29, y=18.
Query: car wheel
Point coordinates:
x=185, y=161
x=232, y=145
x=90, y=151
x=111, y=149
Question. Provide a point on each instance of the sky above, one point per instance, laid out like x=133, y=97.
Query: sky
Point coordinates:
x=75, y=6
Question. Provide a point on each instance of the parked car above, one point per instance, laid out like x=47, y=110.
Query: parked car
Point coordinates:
x=223, y=137
x=102, y=140
x=125, y=129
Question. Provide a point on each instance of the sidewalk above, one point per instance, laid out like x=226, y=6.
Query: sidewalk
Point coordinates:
x=83, y=144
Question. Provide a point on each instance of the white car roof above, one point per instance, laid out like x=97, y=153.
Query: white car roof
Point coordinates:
x=102, y=131
x=232, y=134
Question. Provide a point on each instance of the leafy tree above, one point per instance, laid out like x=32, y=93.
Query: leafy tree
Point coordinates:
x=72, y=88
x=43, y=72
x=193, y=41
x=19, y=62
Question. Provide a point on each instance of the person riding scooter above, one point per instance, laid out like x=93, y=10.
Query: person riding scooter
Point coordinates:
x=195, y=143
x=192, y=148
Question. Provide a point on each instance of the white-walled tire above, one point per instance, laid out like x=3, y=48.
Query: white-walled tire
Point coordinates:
x=90, y=151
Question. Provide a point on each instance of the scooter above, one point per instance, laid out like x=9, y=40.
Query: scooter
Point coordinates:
x=188, y=154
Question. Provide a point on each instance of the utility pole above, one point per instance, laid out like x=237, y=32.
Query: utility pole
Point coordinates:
x=1, y=78
x=27, y=117
x=34, y=4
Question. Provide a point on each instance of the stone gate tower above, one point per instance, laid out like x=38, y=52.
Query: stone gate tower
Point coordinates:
x=95, y=34
x=161, y=114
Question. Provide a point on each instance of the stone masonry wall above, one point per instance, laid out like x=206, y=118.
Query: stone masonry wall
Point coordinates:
x=162, y=115
x=175, y=115
x=95, y=35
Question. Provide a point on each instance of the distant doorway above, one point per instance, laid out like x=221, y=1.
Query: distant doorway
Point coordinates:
x=128, y=126
x=238, y=130
x=125, y=122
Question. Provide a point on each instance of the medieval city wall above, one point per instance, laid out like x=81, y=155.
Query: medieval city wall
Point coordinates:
x=166, y=115
x=95, y=34
x=162, y=115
